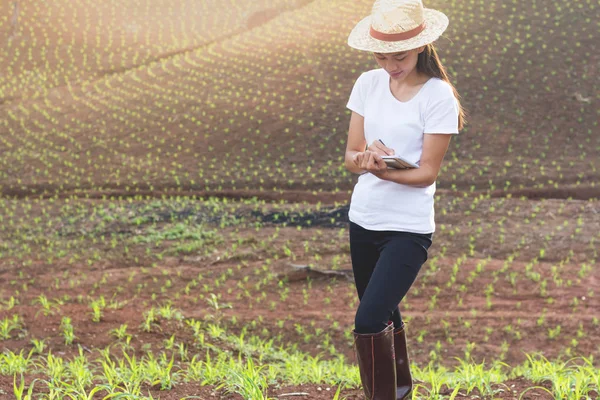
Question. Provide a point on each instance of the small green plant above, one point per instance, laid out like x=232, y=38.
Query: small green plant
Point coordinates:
x=47, y=306
x=120, y=332
x=67, y=330
x=7, y=325
x=19, y=390
x=97, y=307
x=149, y=320
x=553, y=332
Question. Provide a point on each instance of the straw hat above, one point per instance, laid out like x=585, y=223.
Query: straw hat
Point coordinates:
x=397, y=25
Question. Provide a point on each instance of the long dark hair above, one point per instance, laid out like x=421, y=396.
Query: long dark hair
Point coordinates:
x=429, y=63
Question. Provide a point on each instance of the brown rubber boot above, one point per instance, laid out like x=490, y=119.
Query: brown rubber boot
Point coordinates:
x=375, y=355
x=403, y=376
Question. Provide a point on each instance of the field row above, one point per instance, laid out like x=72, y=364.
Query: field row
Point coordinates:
x=521, y=274
x=33, y=230
x=287, y=372
x=50, y=45
x=222, y=117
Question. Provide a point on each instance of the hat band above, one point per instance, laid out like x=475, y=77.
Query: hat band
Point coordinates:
x=394, y=37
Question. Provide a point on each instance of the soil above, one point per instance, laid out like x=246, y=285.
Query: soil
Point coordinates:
x=507, y=308
x=504, y=329
x=509, y=116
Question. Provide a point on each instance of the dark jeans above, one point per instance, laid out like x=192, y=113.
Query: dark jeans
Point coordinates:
x=385, y=265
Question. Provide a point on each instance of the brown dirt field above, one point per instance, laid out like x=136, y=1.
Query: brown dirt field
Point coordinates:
x=505, y=300
x=511, y=317
x=522, y=114
x=487, y=327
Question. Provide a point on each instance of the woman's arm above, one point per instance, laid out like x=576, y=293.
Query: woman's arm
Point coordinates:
x=434, y=149
x=356, y=142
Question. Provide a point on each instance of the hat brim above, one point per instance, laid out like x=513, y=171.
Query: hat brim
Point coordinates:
x=436, y=23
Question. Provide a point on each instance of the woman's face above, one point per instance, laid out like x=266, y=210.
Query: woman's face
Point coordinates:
x=400, y=64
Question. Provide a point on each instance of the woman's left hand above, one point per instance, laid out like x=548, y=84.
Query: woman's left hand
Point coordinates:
x=371, y=162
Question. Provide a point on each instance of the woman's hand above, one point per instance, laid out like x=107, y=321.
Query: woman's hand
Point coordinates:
x=371, y=162
x=378, y=147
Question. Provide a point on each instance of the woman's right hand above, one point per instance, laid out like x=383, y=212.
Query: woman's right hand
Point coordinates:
x=370, y=161
x=380, y=148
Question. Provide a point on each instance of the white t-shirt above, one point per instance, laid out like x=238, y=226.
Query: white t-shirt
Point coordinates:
x=378, y=204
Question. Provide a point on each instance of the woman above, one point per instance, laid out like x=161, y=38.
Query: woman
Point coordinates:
x=406, y=107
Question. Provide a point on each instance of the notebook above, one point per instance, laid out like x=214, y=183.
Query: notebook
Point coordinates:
x=398, y=162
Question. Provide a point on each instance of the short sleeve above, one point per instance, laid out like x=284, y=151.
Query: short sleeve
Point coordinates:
x=356, y=102
x=441, y=115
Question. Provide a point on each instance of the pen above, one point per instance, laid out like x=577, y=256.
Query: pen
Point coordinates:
x=382, y=142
